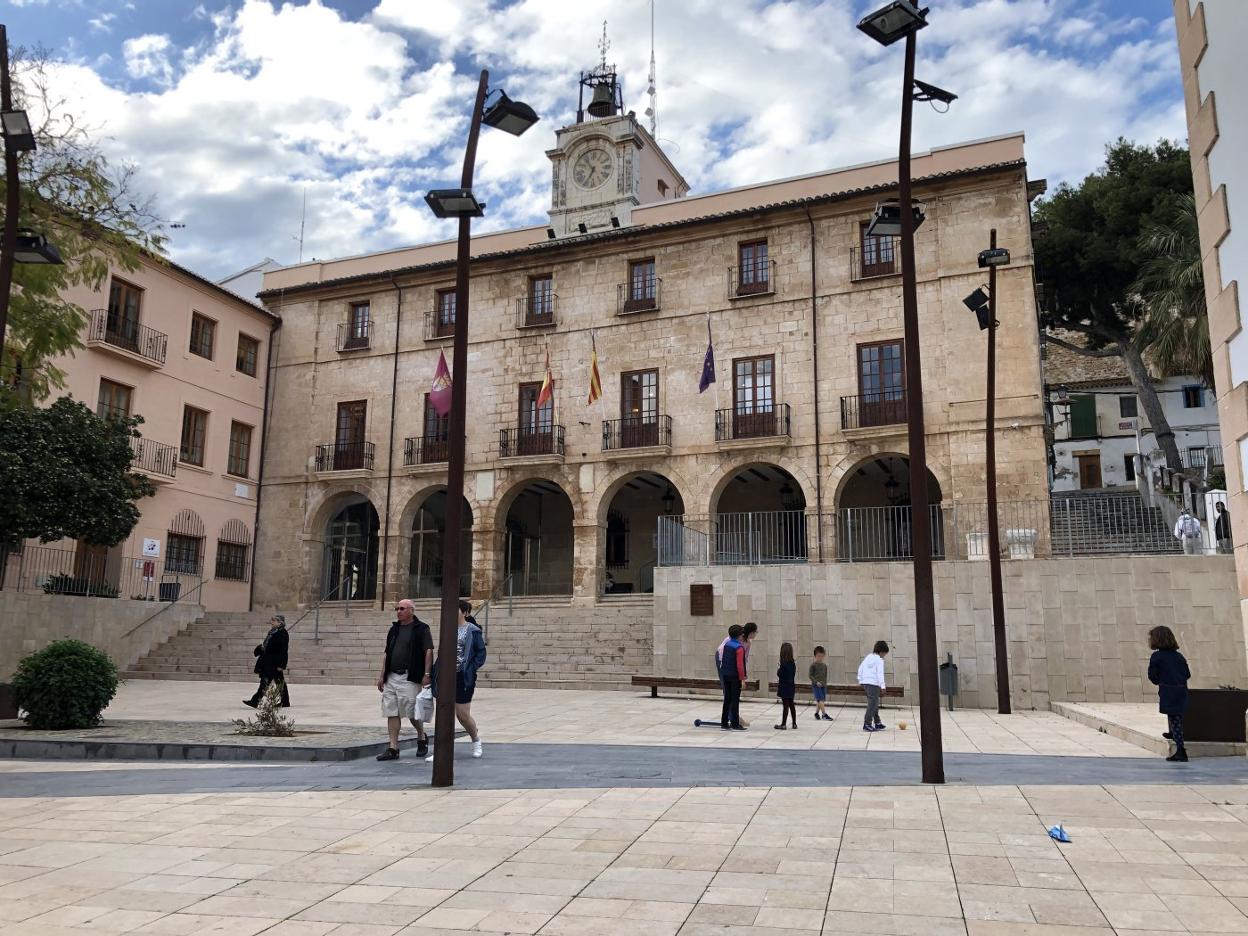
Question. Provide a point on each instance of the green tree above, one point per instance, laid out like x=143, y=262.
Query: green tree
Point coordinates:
x=1089, y=255
x=1171, y=288
x=86, y=206
x=65, y=472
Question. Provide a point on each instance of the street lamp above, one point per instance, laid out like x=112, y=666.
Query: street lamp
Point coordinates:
x=985, y=308
x=18, y=136
x=34, y=248
x=901, y=19
x=513, y=117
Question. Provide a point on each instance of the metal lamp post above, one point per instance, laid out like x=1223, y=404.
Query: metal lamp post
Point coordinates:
x=514, y=117
x=985, y=309
x=900, y=19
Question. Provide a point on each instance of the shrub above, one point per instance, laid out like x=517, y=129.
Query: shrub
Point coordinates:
x=270, y=720
x=67, y=684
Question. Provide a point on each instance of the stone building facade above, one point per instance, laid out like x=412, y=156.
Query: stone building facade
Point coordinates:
x=805, y=418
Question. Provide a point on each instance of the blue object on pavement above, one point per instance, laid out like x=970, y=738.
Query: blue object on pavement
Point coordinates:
x=1057, y=832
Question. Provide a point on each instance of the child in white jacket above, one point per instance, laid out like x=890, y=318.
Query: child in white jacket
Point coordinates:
x=871, y=678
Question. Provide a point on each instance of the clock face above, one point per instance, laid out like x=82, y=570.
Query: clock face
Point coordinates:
x=592, y=169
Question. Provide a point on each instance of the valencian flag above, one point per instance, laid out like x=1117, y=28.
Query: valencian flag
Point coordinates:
x=708, y=363
x=595, y=379
x=548, y=385
x=440, y=392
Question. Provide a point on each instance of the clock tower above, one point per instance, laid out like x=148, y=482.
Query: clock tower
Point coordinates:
x=606, y=163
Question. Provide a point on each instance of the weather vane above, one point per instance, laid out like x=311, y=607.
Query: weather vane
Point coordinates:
x=604, y=45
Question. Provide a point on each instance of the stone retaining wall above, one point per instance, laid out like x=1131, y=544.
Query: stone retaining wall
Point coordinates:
x=31, y=621
x=1077, y=627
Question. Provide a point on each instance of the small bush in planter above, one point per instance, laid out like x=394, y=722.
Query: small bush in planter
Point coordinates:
x=65, y=685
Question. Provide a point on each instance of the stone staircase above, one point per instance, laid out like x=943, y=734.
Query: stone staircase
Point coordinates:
x=542, y=643
x=1088, y=523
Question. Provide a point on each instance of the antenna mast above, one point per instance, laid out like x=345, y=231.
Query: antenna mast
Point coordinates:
x=653, y=110
x=302, y=220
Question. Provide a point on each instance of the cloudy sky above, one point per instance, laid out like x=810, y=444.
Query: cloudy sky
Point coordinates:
x=233, y=110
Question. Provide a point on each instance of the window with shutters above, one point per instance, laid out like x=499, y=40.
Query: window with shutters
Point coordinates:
x=194, y=432
x=1083, y=416
x=248, y=355
x=203, y=334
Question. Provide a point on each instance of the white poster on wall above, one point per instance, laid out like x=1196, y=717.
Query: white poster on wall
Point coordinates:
x=151, y=548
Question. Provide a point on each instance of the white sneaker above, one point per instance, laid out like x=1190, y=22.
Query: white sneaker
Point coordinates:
x=476, y=748
x=429, y=759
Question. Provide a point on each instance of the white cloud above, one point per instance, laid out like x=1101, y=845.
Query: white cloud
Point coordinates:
x=368, y=114
x=148, y=57
x=100, y=23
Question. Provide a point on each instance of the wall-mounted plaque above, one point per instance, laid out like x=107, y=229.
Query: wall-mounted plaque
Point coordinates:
x=701, y=600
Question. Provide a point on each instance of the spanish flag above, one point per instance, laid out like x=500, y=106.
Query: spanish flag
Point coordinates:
x=548, y=386
x=595, y=379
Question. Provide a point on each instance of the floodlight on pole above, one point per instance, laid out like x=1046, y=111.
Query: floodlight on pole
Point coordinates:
x=929, y=92
x=895, y=21
x=886, y=219
x=18, y=136
x=455, y=203
x=978, y=303
x=34, y=248
x=510, y=116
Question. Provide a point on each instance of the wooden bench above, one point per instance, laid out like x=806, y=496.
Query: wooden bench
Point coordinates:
x=655, y=683
x=895, y=692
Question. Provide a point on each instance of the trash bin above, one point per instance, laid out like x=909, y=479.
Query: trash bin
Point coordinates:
x=949, y=679
x=169, y=591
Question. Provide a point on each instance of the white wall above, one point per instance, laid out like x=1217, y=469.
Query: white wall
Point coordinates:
x=1221, y=71
x=1194, y=428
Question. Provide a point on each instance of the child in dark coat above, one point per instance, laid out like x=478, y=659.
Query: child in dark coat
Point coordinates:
x=786, y=689
x=1168, y=671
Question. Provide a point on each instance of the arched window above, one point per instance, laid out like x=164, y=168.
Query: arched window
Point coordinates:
x=184, y=552
x=234, y=552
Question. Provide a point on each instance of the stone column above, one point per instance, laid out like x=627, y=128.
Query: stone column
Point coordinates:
x=488, y=546
x=588, y=551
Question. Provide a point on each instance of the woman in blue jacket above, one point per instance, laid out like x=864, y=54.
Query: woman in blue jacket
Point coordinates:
x=469, y=657
x=1168, y=671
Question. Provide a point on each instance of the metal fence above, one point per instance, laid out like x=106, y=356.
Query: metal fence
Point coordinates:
x=55, y=571
x=760, y=538
x=1078, y=525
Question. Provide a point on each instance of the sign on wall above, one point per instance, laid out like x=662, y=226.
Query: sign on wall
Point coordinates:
x=151, y=548
x=702, y=600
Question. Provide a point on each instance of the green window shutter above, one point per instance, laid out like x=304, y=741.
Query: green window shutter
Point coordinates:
x=1083, y=417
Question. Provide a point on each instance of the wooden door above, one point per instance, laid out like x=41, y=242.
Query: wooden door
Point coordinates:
x=536, y=425
x=122, y=327
x=639, y=409
x=445, y=324
x=753, y=397
x=1089, y=471
x=881, y=384
x=878, y=253
x=349, y=435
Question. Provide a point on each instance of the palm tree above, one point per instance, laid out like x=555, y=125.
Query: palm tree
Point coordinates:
x=1174, y=325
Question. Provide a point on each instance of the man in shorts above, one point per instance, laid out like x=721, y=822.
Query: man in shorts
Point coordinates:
x=405, y=670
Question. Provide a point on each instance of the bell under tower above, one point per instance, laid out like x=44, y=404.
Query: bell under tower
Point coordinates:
x=606, y=163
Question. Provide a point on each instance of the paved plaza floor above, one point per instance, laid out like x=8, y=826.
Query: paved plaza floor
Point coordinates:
x=609, y=813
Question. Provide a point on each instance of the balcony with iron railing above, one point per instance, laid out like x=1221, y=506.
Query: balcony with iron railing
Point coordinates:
x=345, y=456
x=752, y=424
x=426, y=450
x=531, y=442
x=111, y=332
x=353, y=336
x=640, y=294
x=886, y=408
x=639, y=434
x=536, y=311
x=880, y=259
x=155, y=459
x=757, y=278
x=439, y=325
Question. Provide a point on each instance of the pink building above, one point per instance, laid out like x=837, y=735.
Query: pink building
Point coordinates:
x=191, y=358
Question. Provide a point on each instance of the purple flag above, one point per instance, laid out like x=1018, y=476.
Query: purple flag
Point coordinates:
x=440, y=392
x=708, y=363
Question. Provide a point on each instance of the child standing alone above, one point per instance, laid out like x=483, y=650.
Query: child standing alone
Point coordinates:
x=871, y=678
x=1168, y=671
x=786, y=689
x=819, y=684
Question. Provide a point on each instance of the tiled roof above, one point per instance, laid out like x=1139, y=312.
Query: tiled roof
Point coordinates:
x=632, y=231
